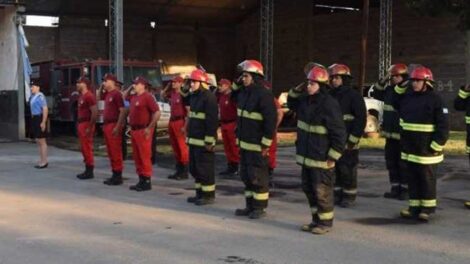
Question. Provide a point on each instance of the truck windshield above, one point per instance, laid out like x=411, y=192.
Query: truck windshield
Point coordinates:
x=152, y=74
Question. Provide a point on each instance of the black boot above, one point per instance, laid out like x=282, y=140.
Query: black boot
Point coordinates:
x=116, y=179
x=247, y=210
x=181, y=173
x=205, y=201
x=198, y=196
x=394, y=193
x=257, y=214
x=144, y=184
x=171, y=175
x=88, y=174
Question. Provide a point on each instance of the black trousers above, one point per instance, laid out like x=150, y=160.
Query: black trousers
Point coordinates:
x=255, y=176
x=317, y=185
x=422, y=187
x=346, y=175
x=395, y=166
x=202, y=168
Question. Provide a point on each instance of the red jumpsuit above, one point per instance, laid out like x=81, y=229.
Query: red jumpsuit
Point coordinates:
x=112, y=105
x=142, y=108
x=85, y=102
x=273, y=149
x=228, y=124
x=175, y=126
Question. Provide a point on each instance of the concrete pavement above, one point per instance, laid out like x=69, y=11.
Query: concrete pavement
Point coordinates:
x=48, y=216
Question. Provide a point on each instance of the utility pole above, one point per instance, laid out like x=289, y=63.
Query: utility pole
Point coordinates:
x=116, y=37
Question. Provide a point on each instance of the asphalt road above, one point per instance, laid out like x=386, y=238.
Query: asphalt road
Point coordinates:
x=47, y=216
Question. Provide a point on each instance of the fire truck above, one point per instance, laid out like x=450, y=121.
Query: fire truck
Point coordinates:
x=59, y=85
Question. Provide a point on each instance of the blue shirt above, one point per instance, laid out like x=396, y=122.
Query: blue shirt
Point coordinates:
x=36, y=103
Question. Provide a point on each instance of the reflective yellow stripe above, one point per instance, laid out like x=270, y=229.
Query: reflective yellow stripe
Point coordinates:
x=313, y=210
x=414, y=203
x=209, y=140
x=348, y=117
x=436, y=146
x=208, y=188
x=416, y=127
x=196, y=142
x=463, y=94
x=197, y=115
x=422, y=159
x=235, y=87
x=250, y=115
x=312, y=129
x=183, y=93
x=312, y=163
x=352, y=191
x=390, y=135
x=294, y=94
x=334, y=154
x=266, y=141
x=261, y=196
x=197, y=186
x=326, y=216
x=248, y=194
x=389, y=108
x=400, y=90
x=467, y=149
x=467, y=120
x=249, y=146
x=467, y=203
x=429, y=203
x=353, y=139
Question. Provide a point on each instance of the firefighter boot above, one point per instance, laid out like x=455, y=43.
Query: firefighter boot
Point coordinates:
x=312, y=225
x=116, y=179
x=88, y=174
x=394, y=192
x=181, y=173
x=467, y=204
x=321, y=229
x=410, y=213
x=198, y=196
x=144, y=184
x=170, y=176
x=257, y=214
x=205, y=201
x=247, y=210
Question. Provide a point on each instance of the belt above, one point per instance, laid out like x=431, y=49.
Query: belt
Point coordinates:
x=176, y=118
x=227, y=121
x=138, y=127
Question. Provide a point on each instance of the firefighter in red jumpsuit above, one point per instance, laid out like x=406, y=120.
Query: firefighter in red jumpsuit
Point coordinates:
x=144, y=113
x=177, y=128
x=113, y=125
x=87, y=113
x=228, y=125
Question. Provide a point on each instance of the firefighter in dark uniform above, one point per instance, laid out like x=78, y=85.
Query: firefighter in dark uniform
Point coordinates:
x=87, y=113
x=321, y=137
x=354, y=115
x=201, y=136
x=462, y=103
x=424, y=131
x=177, y=128
x=397, y=73
x=255, y=128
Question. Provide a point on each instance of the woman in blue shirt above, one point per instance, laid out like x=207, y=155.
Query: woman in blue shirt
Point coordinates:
x=39, y=114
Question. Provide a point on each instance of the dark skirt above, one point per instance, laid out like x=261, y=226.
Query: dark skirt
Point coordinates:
x=36, y=131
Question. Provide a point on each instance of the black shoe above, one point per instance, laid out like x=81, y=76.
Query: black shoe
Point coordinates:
x=257, y=214
x=243, y=212
x=346, y=203
x=41, y=166
x=88, y=174
x=308, y=227
x=116, y=179
x=204, y=201
x=180, y=174
x=143, y=185
x=192, y=199
x=394, y=193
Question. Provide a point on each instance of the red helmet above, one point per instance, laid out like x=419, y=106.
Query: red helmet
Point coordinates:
x=251, y=66
x=422, y=73
x=199, y=75
x=339, y=69
x=318, y=74
x=398, y=69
